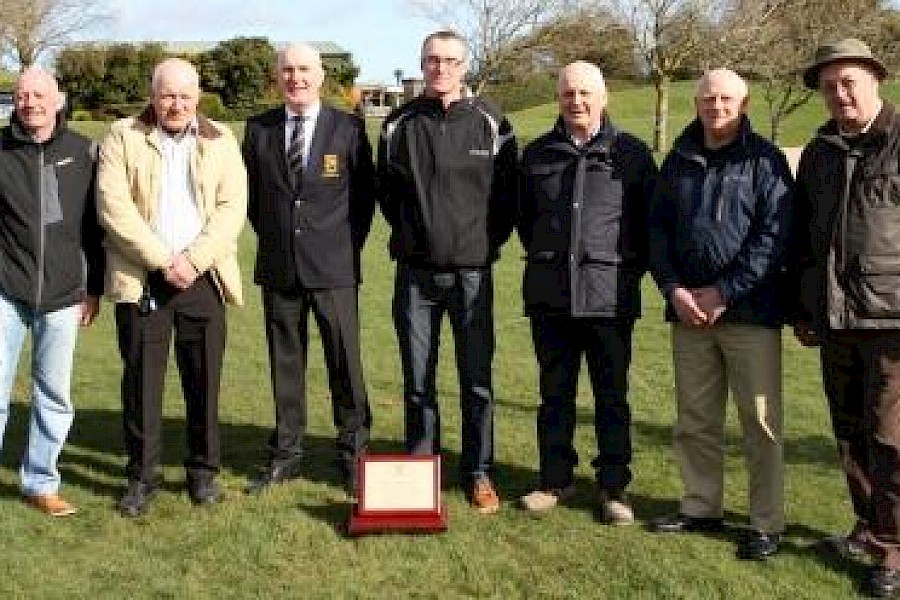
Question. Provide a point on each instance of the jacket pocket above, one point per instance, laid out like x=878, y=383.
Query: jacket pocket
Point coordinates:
x=545, y=285
x=605, y=284
x=875, y=288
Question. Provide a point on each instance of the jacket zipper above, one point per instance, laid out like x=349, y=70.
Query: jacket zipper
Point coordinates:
x=575, y=234
x=41, y=233
x=720, y=202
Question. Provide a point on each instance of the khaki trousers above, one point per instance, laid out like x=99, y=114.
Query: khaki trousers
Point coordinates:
x=708, y=362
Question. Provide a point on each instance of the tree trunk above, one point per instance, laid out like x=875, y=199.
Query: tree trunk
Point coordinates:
x=661, y=81
x=774, y=125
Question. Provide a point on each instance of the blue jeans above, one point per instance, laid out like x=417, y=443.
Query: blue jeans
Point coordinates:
x=54, y=334
x=421, y=297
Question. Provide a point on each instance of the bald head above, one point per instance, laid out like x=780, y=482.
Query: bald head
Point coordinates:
x=722, y=79
x=37, y=101
x=300, y=76
x=582, y=99
x=721, y=101
x=584, y=73
x=175, y=92
x=302, y=51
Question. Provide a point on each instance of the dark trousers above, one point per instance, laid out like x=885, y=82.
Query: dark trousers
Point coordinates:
x=861, y=376
x=559, y=343
x=421, y=297
x=287, y=334
x=198, y=317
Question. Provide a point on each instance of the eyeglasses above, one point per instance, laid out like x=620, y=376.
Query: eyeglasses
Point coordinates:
x=447, y=61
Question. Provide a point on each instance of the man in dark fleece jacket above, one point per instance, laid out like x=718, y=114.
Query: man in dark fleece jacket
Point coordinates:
x=52, y=270
x=446, y=185
x=719, y=236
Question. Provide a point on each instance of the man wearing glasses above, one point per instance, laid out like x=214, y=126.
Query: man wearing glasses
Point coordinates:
x=446, y=185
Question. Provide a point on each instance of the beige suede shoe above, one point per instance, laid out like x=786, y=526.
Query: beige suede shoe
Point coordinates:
x=614, y=508
x=540, y=501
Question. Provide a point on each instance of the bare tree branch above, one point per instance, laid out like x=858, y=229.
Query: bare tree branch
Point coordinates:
x=29, y=28
x=495, y=29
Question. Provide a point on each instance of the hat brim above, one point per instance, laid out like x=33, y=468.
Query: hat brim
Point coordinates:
x=811, y=74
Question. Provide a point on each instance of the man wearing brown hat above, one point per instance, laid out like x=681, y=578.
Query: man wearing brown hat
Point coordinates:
x=848, y=204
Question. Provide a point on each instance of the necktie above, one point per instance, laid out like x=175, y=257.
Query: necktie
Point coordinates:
x=295, y=156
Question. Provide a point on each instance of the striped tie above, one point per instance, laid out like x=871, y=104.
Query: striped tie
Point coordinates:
x=295, y=156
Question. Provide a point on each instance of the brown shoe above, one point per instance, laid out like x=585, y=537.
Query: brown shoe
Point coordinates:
x=614, y=508
x=484, y=497
x=51, y=504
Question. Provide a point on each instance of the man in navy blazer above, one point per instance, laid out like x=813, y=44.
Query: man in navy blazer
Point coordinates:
x=311, y=202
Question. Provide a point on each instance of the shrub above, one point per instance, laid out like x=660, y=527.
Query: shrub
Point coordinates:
x=80, y=114
x=515, y=95
x=211, y=106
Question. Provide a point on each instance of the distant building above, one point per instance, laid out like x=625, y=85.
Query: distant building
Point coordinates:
x=328, y=50
x=378, y=99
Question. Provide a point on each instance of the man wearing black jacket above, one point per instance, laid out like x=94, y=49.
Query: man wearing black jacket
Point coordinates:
x=52, y=274
x=446, y=181
x=583, y=224
x=311, y=201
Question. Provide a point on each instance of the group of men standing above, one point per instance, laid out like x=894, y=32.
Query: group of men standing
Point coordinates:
x=736, y=246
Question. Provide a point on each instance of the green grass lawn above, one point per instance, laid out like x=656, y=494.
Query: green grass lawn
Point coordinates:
x=287, y=543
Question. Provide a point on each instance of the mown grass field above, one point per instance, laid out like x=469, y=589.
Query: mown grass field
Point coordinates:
x=287, y=543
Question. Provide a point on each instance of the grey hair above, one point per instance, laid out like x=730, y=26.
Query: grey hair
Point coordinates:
x=173, y=63
x=446, y=34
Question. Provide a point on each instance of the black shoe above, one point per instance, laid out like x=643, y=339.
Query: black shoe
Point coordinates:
x=758, y=546
x=679, y=523
x=136, y=498
x=275, y=473
x=203, y=490
x=884, y=582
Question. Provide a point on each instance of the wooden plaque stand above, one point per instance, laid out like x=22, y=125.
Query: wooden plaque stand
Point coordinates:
x=398, y=493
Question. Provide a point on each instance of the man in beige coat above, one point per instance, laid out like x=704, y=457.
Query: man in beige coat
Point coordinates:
x=172, y=199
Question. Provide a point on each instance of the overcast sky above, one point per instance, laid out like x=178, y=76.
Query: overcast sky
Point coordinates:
x=382, y=35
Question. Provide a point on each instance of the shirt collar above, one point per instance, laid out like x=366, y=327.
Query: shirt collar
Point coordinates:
x=593, y=133
x=311, y=113
x=189, y=131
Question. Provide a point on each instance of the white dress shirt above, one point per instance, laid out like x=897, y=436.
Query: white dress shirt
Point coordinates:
x=309, y=127
x=178, y=220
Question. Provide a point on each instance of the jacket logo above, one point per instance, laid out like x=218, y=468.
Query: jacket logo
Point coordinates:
x=479, y=152
x=65, y=161
x=330, y=166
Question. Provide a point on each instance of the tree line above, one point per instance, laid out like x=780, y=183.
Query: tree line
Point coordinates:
x=236, y=76
x=768, y=41
x=514, y=44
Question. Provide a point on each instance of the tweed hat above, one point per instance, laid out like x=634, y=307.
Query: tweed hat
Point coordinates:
x=850, y=50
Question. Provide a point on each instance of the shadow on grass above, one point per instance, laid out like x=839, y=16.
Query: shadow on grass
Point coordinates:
x=93, y=459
